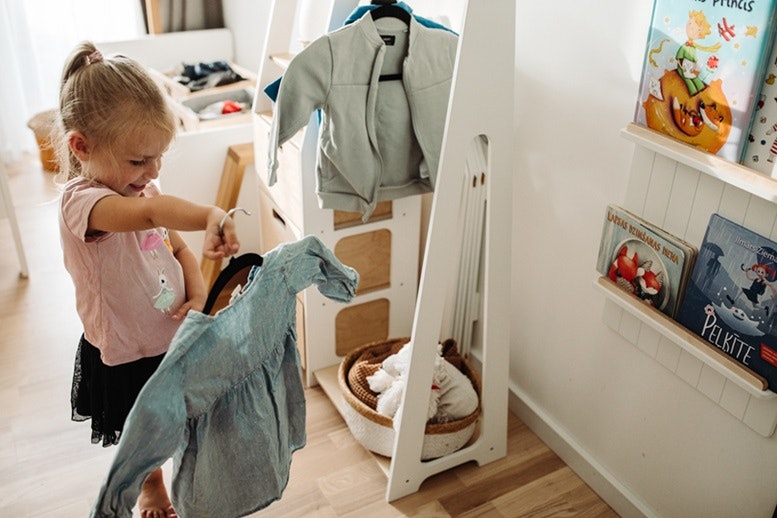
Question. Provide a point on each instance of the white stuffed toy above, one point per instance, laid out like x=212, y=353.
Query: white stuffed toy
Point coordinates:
x=452, y=396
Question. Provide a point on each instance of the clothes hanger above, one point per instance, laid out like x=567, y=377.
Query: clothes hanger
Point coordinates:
x=387, y=9
x=234, y=267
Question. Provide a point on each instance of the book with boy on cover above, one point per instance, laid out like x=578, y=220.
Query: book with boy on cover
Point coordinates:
x=703, y=69
x=731, y=296
x=644, y=260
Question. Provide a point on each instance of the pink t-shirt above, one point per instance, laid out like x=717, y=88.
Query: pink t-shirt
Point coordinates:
x=127, y=284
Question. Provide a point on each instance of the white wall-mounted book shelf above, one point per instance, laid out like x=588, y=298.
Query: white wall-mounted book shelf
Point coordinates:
x=733, y=174
x=678, y=187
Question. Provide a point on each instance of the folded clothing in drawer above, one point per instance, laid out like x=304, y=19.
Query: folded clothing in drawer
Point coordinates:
x=220, y=104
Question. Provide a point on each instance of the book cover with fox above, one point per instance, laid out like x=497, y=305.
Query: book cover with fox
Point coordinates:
x=703, y=69
x=643, y=259
x=731, y=296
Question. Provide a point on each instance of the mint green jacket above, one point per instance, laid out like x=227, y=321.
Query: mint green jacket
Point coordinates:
x=378, y=140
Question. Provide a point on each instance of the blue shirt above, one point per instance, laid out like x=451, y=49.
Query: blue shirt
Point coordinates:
x=227, y=402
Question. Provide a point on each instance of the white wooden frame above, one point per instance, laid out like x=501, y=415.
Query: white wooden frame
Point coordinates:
x=481, y=104
x=486, y=55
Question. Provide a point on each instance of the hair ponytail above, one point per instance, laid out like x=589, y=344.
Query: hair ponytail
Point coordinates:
x=104, y=97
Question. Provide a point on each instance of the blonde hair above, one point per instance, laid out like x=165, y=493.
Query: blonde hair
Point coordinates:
x=104, y=98
x=700, y=19
x=705, y=30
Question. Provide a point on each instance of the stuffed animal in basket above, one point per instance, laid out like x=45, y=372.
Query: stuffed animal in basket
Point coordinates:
x=452, y=396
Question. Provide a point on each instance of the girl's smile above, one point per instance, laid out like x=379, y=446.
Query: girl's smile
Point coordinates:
x=131, y=163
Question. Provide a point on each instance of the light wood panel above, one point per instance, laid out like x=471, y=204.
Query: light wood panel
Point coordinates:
x=154, y=17
x=343, y=219
x=48, y=468
x=369, y=254
x=361, y=324
x=238, y=158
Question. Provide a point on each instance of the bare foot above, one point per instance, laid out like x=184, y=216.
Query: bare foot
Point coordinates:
x=153, y=501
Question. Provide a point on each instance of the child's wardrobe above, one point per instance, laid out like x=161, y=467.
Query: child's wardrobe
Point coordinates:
x=433, y=266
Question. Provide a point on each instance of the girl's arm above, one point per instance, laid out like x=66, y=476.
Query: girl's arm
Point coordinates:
x=196, y=291
x=125, y=214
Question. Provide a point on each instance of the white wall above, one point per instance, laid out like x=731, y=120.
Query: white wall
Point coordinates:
x=654, y=438
x=248, y=21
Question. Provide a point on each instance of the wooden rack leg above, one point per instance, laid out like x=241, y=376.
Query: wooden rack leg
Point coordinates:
x=239, y=157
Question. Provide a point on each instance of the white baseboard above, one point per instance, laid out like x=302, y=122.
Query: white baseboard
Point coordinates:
x=618, y=496
x=624, y=501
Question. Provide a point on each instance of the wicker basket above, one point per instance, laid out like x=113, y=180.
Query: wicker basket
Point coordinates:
x=42, y=125
x=375, y=431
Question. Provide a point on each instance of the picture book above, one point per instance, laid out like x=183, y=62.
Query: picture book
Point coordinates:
x=702, y=71
x=761, y=147
x=731, y=296
x=644, y=260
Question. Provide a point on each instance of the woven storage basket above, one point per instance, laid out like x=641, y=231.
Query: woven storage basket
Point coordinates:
x=375, y=431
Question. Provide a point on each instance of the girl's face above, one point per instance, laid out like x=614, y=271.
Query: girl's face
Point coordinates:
x=133, y=162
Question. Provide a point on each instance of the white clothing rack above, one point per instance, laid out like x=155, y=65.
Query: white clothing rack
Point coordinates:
x=478, y=142
x=467, y=306
x=481, y=105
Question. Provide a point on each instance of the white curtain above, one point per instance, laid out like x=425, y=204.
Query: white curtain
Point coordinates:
x=35, y=38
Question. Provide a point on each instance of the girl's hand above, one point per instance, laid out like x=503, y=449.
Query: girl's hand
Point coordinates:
x=194, y=304
x=220, y=240
x=185, y=307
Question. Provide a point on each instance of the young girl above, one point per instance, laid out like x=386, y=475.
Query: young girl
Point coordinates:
x=134, y=277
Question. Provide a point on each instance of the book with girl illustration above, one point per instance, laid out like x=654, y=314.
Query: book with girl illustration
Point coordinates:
x=731, y=298
x=703, y=70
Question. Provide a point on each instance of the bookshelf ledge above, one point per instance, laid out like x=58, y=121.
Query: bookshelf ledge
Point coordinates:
x=753, y=182
x=737, y=373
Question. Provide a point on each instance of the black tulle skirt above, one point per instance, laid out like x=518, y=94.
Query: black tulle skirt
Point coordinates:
x=105, y=394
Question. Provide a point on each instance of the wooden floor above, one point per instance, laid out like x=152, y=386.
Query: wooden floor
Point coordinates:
x=48, y=467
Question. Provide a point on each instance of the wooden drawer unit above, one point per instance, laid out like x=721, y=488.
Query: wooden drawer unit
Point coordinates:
x=384, y=250
x=287, y=192
x=275, y=227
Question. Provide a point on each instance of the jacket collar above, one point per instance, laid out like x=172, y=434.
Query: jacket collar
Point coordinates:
x=367, y=25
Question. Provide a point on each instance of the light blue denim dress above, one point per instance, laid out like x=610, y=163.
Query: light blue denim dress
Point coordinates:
x=227, y=402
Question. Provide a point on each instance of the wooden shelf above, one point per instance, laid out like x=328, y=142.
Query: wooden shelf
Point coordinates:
x=679, y=186
x=753, y=182
x=743, y=377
